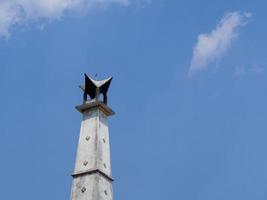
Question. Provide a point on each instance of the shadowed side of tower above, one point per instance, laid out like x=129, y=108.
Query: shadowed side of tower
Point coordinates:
x=92, y=177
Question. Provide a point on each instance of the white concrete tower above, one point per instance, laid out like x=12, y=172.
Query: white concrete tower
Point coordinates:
x=92, y=179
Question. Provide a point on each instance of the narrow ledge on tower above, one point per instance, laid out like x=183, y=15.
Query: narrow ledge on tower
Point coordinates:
x=93, y=104
x=93, y=171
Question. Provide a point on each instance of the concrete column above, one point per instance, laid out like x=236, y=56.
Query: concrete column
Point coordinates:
x=92, y=174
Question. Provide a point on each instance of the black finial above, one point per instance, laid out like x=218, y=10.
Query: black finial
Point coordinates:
x=94, y=88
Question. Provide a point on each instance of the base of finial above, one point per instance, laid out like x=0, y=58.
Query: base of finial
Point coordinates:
x=93, y=104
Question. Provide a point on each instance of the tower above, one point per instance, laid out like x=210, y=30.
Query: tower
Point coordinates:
x=92, y=179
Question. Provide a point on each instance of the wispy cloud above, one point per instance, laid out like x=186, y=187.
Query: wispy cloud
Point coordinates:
x=10, y=14
x=239, y=71
x=257, y=69
x=211, y=46
x=254, y=69
x=14, y=12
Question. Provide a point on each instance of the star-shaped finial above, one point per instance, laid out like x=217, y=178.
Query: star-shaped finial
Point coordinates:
x=94, y=88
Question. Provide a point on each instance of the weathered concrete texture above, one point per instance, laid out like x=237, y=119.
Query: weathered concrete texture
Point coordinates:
x=92, y=173
x=92, y=187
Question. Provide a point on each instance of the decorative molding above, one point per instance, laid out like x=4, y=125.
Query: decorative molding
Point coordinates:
x=92, y=171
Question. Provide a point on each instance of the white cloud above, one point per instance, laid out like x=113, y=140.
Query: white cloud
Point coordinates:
x=211, y=46
x=10, y=14
x=14, y=12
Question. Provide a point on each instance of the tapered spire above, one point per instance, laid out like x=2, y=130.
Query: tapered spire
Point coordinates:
x=92, y=177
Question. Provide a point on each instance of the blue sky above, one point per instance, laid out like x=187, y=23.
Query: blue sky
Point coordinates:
x=189, y=91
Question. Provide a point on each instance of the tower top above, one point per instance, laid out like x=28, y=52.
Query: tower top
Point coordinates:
x=94, y=89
